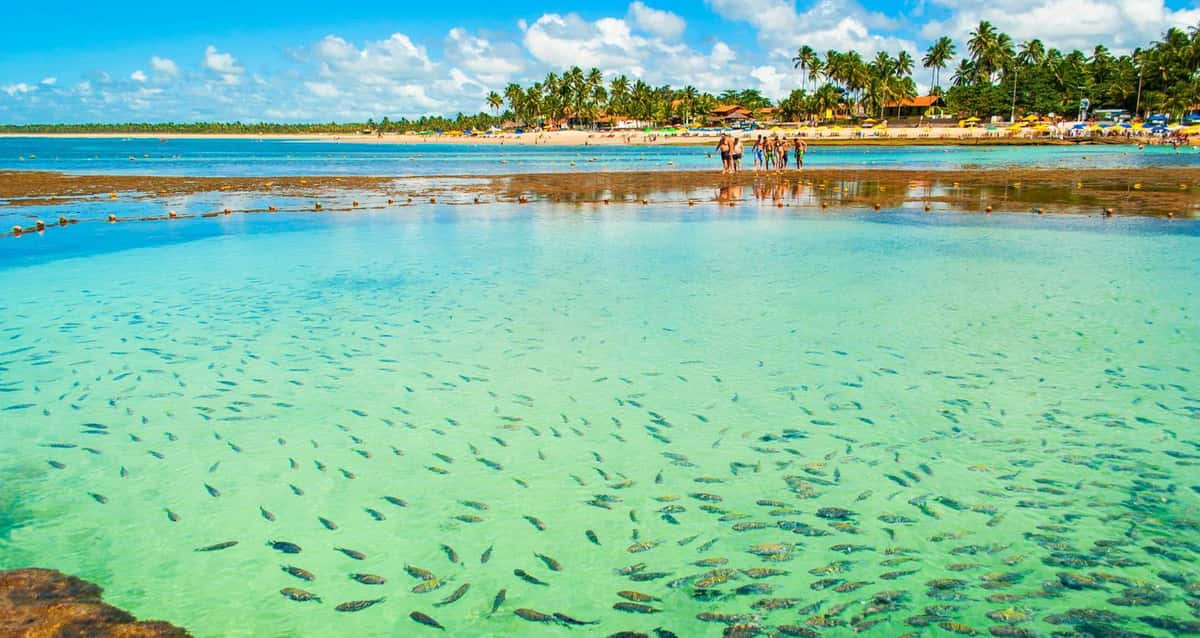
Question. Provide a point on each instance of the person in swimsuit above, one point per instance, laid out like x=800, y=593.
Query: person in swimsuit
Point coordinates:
x=736, y=154
x=801, y=147
x=759, y=161
x=726, y=150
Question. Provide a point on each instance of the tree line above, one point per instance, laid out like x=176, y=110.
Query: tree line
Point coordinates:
x=995, y=75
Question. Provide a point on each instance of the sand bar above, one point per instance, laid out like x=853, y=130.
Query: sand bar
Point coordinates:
x=1145, y=191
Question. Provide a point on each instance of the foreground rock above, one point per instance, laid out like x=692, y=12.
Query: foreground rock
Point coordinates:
x=40, y=603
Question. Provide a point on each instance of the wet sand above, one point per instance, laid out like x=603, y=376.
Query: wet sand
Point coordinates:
x=1148, y=191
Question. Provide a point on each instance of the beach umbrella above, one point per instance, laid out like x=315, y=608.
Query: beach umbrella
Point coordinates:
x=972, y=119
x=1030, y=118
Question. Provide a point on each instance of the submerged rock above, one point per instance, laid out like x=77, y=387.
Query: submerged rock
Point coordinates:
x=43, y=602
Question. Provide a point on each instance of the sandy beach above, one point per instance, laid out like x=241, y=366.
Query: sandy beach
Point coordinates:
x=848, y=135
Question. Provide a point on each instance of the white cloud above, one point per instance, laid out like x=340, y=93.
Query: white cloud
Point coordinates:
x=138, y=76
x=394, y=76
x=559, y=41
x=493, y=63
x=223, y=64
x=50, y=81
x=164, y=66
x=376, y=61
x=1122, y=25
x=772, y=82
x=827, y=24
x=322, y=89
x=722, y=54
x=19, y=88
x=664, y=24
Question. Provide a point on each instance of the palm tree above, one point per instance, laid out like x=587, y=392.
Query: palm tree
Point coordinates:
x=806, y=59
x=688, y=95
x=1032, y=52
x=937, y=57
x=494, y=101
x=964, y=73
x=981, y=47
x=618, y=96
x=904, y=63
x=515, y=95
x=826, y=99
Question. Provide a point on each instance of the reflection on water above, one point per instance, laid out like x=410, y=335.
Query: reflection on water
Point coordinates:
x=669, y=417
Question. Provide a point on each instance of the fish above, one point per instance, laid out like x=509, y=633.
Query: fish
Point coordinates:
x=451, y=555
x=99, y=498
x=327, y=524
x=212, y=491
x=425, y=620
x=525, y=576
x=398, y=502
x=368, y=579
x=486, y=555
x=299, y=595
x=356, y=555
x=427, y=586
x=302, y=574
x=454, y=596
x=358, y=605
x=533, y=615
x=266, y=514
x=284, y=546
x=536, y=522
x=551, y=564
x=217, y=546
x=591, y=536
x=418, y=573
x=635, y=608
x=498, y=600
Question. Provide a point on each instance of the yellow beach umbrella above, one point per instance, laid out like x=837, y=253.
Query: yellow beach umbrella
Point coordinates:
x=1030, y=118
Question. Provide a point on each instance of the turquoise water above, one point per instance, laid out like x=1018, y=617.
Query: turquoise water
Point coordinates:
x=1007, y=402
x=240, y=157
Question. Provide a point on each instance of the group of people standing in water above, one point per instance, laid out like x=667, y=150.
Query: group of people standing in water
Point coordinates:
x=769, y=153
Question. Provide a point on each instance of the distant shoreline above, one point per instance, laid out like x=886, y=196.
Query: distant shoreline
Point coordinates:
x=947, y=136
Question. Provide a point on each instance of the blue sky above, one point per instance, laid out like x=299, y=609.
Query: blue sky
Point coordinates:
x=307, y=61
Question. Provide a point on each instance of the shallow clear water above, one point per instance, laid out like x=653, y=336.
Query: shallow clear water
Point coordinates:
x=1015, y=396
x=240, y=157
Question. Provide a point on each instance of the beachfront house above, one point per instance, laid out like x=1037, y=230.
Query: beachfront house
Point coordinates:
x=728, y=114
x=928, y=106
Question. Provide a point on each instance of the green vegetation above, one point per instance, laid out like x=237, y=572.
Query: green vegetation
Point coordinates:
x=996, y=76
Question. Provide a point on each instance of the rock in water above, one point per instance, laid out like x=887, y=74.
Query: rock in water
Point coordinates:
x=36, y=602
